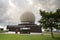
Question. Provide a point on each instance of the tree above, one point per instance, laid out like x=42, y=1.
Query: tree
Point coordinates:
x=50, y=20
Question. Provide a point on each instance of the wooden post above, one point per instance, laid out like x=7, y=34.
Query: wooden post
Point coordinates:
x=16, y=31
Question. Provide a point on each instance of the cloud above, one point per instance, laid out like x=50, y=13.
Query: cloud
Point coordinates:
x=10, y=10
x=50, y=5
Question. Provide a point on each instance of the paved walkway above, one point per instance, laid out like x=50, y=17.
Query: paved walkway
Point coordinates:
x=18, y=33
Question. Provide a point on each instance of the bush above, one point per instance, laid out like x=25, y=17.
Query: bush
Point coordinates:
x=2, y=31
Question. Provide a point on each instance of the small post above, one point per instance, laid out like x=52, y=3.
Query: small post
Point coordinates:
x=16, y=31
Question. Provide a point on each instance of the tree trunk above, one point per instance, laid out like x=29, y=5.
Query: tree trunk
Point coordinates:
x=52, y=33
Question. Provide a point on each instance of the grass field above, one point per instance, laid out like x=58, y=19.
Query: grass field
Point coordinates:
x=28, y=37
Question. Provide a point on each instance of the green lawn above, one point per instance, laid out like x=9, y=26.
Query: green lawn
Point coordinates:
x=28, y=37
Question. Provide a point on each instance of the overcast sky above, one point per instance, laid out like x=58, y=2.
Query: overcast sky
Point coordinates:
x=11, y=10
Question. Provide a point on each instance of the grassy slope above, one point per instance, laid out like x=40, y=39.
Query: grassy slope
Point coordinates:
x=27, y=37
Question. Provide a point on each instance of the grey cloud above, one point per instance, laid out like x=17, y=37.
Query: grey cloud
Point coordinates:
x=3, y=8
x=57, y=2
x=22, y=5
x=51, y=4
